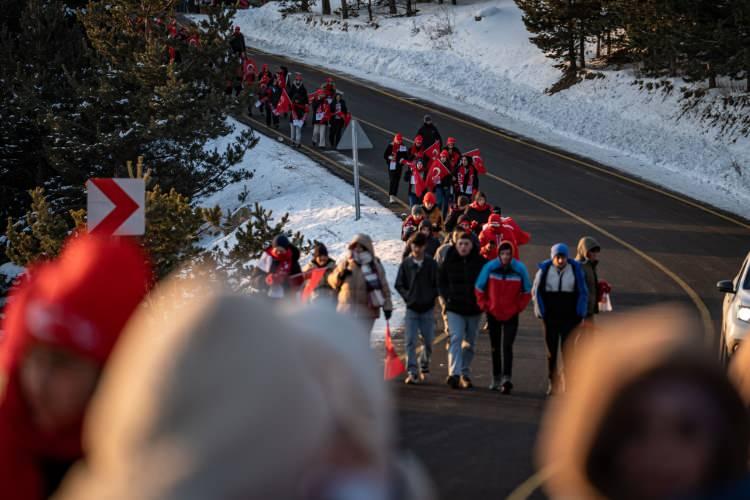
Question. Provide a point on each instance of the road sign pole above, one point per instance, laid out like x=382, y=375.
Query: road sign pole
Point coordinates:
x=355, y=157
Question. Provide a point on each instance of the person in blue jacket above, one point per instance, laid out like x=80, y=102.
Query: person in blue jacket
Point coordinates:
x=561, y=302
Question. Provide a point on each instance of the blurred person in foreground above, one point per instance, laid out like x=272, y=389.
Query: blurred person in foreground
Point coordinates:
x=655, y=418
x=60, y=324
x=201, y=419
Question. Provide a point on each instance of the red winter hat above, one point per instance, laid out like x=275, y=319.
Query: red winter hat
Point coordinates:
x=451, y=140
x=398, y=139
x=495, y=220
x=444, y=154
x=430, y=198
x=80, y=301
x=236, y=29
x=418, y=139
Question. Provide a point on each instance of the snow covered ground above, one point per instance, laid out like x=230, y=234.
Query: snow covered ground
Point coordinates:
x=320, y=205
x=489, y=68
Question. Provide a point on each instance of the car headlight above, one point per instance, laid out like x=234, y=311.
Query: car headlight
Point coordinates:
x=743, y=313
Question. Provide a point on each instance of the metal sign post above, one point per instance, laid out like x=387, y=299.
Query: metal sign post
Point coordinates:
x=355, y=157
x=358, y=139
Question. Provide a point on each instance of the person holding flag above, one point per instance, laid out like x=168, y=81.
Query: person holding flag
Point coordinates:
x=439, y=179
x=395, y=155
x=280, y=264
x=339, y=113
x=316, y=274
x=454, y=155
x=476, y=160
x=300, y=109
x=465, y=177
x=415, y=176
x=321, y=115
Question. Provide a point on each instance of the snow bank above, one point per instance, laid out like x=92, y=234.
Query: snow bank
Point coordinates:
x=320, y=205
x=489, y=68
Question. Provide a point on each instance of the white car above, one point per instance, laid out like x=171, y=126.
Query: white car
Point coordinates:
x=735, y=324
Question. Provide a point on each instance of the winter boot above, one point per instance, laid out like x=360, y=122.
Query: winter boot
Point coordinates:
x=453, y=381
x=495, y=385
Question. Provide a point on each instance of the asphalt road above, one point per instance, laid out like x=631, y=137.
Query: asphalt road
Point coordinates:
x=656, y=247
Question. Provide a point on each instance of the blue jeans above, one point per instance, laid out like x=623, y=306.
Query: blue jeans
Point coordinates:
x=463, y=335
x=416, y=324
x=414, y=199
x=443, y=195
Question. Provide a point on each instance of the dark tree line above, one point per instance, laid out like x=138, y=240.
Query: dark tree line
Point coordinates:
x=84, y=90
x=699, y=40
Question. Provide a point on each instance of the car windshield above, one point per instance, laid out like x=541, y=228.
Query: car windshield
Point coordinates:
x=746, y=282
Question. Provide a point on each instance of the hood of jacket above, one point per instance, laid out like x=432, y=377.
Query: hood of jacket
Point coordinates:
x=365, y=241
x=199, y=418
x=585, y=245
x=652, y=342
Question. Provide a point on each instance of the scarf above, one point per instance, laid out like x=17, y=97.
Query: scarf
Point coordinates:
x=372, y=280
x=476, y=207
x=463, y=179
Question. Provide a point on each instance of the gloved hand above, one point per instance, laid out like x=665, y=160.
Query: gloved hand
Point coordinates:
x=387, y=314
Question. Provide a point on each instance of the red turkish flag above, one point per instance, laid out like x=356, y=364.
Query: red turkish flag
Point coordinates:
x=285, y=104
x=313, y=280
x=476, y=158
x=432, y=152
x=436, y=173
x=393, y=365
x=317, y=93
x=420, y=186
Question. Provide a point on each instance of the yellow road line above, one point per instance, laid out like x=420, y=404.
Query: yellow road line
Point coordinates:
x=699, y=304
x=525, y=489
x=526, y=143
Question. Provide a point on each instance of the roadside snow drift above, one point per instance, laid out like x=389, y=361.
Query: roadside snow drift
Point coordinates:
x=489, y=68
x=320, y=205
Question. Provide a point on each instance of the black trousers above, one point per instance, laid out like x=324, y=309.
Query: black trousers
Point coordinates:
x=394, y=178
x=502, y=336
x=271, y=116
x=335, y=131
x=557, y=331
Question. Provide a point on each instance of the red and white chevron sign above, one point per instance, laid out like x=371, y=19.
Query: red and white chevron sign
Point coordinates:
x=116, y=207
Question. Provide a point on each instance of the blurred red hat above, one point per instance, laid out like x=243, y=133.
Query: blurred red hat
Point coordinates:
x=418, y=139
x=444, y=154
x=451, y=140
x=495, y=220
x=398, y=139
x=80, y=301
x=430, y=198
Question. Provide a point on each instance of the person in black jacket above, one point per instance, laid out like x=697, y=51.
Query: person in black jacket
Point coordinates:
x=237, y=41
x=416, y=282
x=432, y=242
x=297, y=91
x=457, y=274
x=478, y=212
x=454, y=212
x=429, y=132
x=395, y=155
x=338, y=120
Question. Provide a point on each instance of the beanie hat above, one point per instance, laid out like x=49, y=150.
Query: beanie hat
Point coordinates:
x=429, y=198
x=236, y=29
x=559, y=249
x=418, y=139
x=495, y=220
x=398, y=139
x=444, y=154
x=79, y=302
x=451, y=140
x=319, y=250
x=281, y=241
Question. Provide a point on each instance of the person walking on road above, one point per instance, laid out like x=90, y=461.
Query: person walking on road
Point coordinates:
x=297, y=90
x=478, y=212
x=466, y=178
x=280, y=263
x=431, y=210
x=410, y=177
x=444, y=185
x=237, y=42
x=300, y=109
x=429, y=132
x=588, y=256
x=360, y=284
x=417, y=284
x=454, y=212
x=432, y=243
x=457, y=274
x=395, y=155
x=321, y=115
x=561, y=302
x=338, y=120
x=503, y=291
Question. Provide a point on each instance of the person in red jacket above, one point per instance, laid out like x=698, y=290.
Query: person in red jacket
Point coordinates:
x=61, y=323
x=478, y=212
x=395, y=155
x=411, y=179
x=495, y=233
x=416, y=152
x=265, y=73
x=454, y=155
x=321, y=116
x=412, y=222
x=300, y=108
x=283, y=272
x=503, y=291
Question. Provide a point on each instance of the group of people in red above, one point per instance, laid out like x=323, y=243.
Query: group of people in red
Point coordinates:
x=428, y=165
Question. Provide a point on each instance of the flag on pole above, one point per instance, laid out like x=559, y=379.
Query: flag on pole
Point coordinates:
x=313, y=278
x=432, y=152
x=393, y=365
x=436, y=173
x=285, y=104
x=476, y=158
